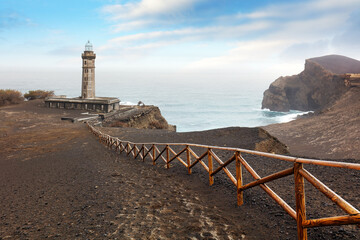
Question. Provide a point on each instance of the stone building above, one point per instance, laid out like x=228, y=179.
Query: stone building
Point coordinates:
x=88, y=99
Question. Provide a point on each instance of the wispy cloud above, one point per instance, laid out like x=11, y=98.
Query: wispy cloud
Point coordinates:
x=65, y=51
x=307, y=33
x=10, y=19
x=277, y=31
x=148, y=8
x=147, y=13
x=350, y=36
x=303, y=9
x=200, y=33
x=246, y=51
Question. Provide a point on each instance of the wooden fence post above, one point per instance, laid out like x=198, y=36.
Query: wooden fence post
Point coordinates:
x=188, y=159
x=143, y=152
x=239, y=180
x=154, y=152
x=167, y=157
x=300, y=201
x=210, y=162
x=134, y=150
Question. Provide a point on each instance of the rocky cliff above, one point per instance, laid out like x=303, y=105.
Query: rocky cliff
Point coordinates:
x=142, y=117
x=319, y=85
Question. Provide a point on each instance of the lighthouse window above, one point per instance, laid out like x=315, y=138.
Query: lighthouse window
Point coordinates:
x=85, y=62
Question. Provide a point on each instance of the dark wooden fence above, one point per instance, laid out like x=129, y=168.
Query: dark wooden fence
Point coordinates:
x=166, y=153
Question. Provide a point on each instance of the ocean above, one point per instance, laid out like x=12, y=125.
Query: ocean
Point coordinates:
x=190, y=105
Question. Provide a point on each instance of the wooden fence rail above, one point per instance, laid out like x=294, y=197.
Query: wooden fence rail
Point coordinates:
x=166, y=153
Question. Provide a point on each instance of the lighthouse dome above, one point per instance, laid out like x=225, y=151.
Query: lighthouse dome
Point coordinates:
x=88, y=46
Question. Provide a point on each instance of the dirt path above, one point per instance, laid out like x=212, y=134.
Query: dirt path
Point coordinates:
x=58, y=182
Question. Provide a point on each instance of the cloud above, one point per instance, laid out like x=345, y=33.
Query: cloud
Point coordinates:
x=306, y=50
x=147, y=8
x=183, y=35
x=350, y=36
x=205, y=32
x=244, y=52
x=65, y=51
x=297, y=38
x=307, y=9
x=269, y=36
x=131, y=25
x=148, y=14
x=11, y=19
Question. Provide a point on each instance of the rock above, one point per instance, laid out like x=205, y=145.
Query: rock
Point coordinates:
x=319, y=85
x=115, y=174
x=141, y=117
x=270, y=144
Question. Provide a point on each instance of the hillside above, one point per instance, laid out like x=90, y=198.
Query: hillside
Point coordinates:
x=338, y=64
x=318, y=86
x=333, y=133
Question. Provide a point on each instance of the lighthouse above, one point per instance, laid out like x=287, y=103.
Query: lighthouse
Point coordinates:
x=87, y=101
x=88, y=72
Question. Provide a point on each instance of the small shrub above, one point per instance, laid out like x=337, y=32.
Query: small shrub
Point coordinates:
x=9, y=96
x=119, y=124
x=158, y=124
x=38, y=94
x=141, y=104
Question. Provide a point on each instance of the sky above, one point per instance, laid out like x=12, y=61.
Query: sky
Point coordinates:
x=173, y=40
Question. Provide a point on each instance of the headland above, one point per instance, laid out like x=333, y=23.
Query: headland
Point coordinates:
x=332, y=130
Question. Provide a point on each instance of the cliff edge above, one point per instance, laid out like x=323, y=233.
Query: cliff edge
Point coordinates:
x=318, y=86
x=141, y=117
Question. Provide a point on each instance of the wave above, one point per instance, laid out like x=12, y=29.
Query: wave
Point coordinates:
x=283, y=117
x=127, y=103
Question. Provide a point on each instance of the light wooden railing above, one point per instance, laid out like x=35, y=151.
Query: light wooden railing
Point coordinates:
x=165, y=152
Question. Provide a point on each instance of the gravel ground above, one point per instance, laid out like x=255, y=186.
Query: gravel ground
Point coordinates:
x=57, y=181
